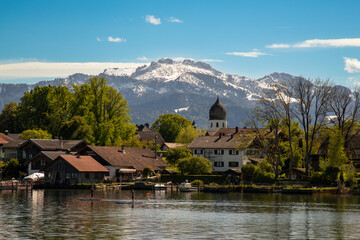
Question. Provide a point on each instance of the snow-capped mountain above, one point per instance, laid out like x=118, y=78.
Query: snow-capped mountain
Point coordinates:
x=185, y=87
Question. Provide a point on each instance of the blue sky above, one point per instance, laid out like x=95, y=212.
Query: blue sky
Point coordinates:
x=250, y=38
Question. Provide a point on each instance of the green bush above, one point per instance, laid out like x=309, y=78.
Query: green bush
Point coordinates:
x=264, y=177
x=331, y=175
x=147, y=171
x=316, y=178
x=195, y=165
x=197, y=183
x=248, y=172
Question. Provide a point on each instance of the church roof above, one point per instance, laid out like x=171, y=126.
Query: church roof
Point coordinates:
x=217, y=111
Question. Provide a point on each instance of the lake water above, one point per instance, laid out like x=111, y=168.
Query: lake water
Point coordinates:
x=58, y=214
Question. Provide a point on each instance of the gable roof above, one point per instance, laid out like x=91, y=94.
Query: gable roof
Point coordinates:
x=13, y=144
x=83, y=163
x=5, y=138
x=53, y=144
x=136, y=158
x=149, y=135
x=222, y=142
x=52, y=155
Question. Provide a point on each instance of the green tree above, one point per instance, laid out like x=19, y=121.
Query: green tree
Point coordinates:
x=188, y=134
x=169, y=126
x=9, y=118
x=195, y=165
x=35, y=134
x=34, y=108
x=336, y=155
x=173, y=155
x=12, y=169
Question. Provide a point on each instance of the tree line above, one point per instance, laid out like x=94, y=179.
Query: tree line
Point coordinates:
x=308, y=117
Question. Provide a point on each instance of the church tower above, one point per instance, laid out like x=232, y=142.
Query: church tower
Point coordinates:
x=217, y=116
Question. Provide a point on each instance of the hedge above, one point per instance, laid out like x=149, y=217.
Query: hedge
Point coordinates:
x=219, y=179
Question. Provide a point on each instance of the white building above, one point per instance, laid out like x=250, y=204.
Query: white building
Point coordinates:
x=225, y=147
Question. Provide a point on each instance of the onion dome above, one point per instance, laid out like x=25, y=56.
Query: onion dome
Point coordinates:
x=217, y=111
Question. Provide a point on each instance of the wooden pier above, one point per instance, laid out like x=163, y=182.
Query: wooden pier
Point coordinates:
x=14, y=185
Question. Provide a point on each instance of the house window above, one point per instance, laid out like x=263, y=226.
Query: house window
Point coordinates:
x=233, y=152
x=223, y=124
x=68, y=175
x=195, y=151
x=42, y=162
x=218, y=164
x=73, y=175
x=233, y=164
x=219, y=152
x=217, y=124
x=49, y=175
x=201, y=151
x=211, y=125
x=87, y=176
x=30, y=156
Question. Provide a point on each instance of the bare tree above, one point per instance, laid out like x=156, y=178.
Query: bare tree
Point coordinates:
x=311, y=108
x=279, y=99
x=346, y=105
x=268, y=141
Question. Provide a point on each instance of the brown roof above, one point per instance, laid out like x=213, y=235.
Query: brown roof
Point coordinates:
x=53, y=144
x=13, y=144
x=50, y=154
x=213, y=142
x=149, y=135
x=136, y=158
x=240, y=131
x=83, y=163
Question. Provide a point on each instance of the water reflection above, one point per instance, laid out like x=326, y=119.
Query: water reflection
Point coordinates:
x=48, y=214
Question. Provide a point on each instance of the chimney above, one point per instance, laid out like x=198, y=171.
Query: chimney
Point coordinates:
x=61, y=143
x=147, y=125
x=6, y=132
x=236, y=129
x=122, y=149
x=156, y=147
x=78, y=155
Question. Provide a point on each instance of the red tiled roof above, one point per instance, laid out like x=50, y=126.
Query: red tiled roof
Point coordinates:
x=136, y=158
x=5, y=137
x=84, y=163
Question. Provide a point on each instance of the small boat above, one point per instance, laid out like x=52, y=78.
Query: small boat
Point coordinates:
x=160, y=186
x=91, y=199
x=186, y=187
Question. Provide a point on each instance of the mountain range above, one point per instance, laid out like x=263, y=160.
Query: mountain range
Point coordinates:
x=185, y=87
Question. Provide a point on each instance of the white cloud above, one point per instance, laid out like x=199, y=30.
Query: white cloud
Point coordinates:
x=279, y=46
x=254, y=54
x=58, y=69
x=152, y=19
x=111, y=39
x=143, y=58
x=210, y=60
x=98, y=39
x=352, y=65
x=314, y=43
x=175, y=20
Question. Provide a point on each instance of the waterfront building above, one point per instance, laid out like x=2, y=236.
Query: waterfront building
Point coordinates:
x=125, y=163
x=69, y=169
